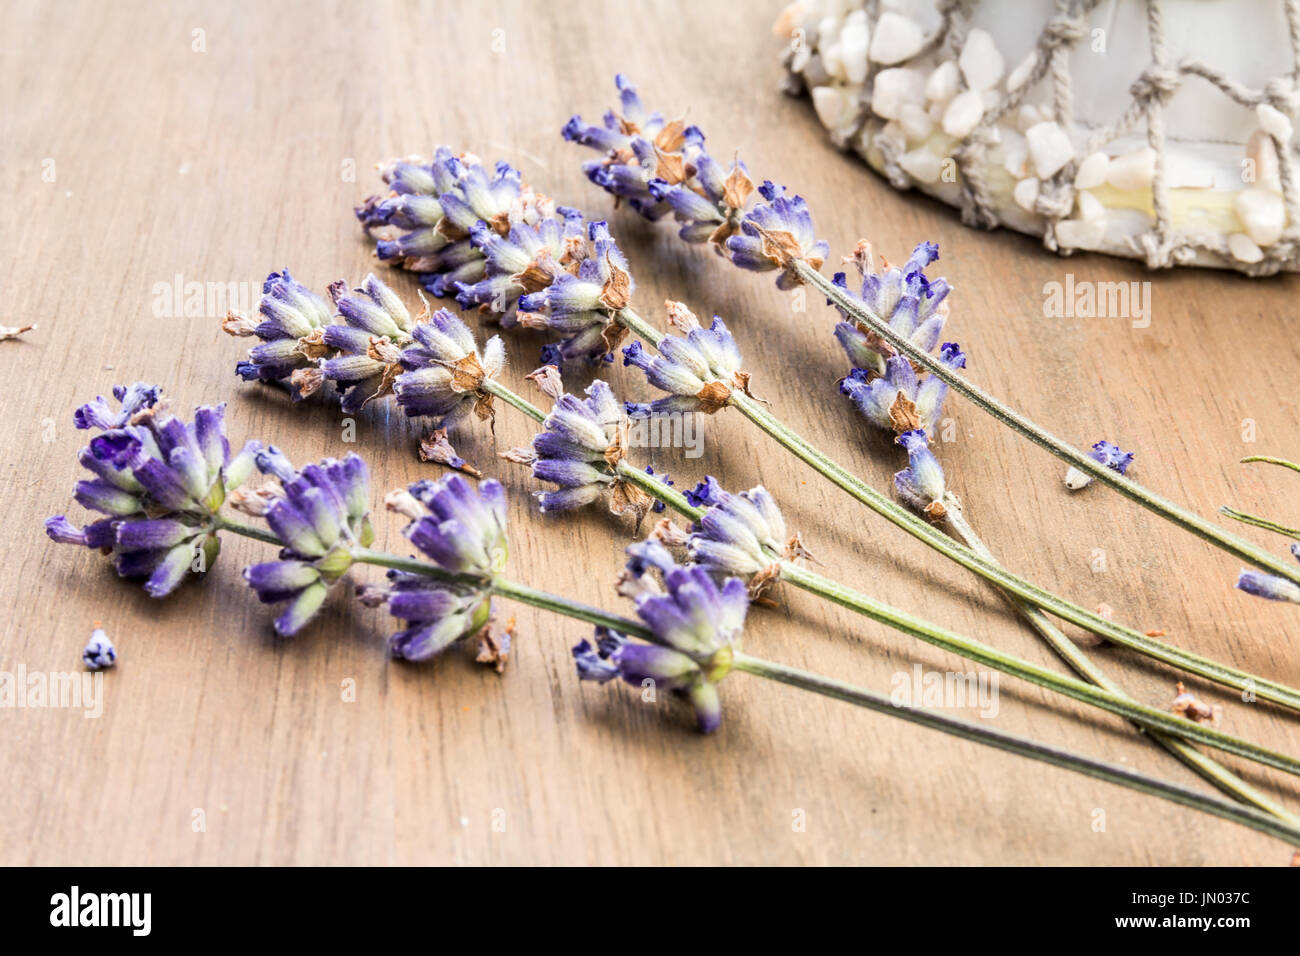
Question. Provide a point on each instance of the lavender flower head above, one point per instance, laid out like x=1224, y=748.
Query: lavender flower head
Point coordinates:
x=582, y=304
x=1269, y=586
x=698, y=370
x=921, y=484
x=740, y=533
x=424, y=223
x=291, y=315
x=777, y=233
x=321, y=514
x=579, y=449
x=159, y=482
x=462, y=530
x=376, y=327
x=525, y=260
x=1104, y=453
x=660, y=167
x=913, y=306
x=444, y=371
x=696, y=625
x=641, y=149
x=899, y=400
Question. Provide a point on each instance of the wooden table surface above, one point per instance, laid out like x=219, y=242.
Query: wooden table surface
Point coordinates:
x=137, y=149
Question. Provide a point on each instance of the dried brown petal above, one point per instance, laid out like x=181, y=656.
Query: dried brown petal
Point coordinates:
x=737, y=188
x=312, y=345
x=617, y=292
x=235, y=323
x=713, y=396
x=613, y=335
x=307, y=381
x=680, y=317
x=547, y=380
x=467, y=374
x=903, y=415
x=762, y=582
x=436, y=448
x=494, y=642
x=628, y=498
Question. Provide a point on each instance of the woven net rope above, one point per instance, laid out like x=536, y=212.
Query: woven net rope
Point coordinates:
x=1155, y=129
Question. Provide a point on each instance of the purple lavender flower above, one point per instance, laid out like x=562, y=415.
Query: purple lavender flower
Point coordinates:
x=159, y=482
x=777, y=233
x=1269, y=586
x=1112, y=456
x=697, y=627
x=640, y=147
x=131, y=399
x=914, y=306
x=900, y=401
x=462, y=530
x=376, y=327
x=711, y=203
x=291, y=317
x=698, y=371
x=580, y=443
x=426, y=220
x=321, y=515
x=526, y=260
x=921, y=483
x=99, y=653
x=444, y=370
x=436, y=615
x=581, y=305
x=740, y=534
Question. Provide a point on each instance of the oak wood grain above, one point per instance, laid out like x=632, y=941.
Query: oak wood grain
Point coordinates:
x=223, y=164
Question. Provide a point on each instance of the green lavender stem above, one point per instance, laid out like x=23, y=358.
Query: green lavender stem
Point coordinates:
x=1269, y=459
x=1167, y=509
x=220, y=523
x=1210, y=769
x=1259, y=522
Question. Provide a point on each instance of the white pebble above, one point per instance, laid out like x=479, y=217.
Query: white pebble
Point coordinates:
x=1025, y=194
x=1017, y=77
x=980, y=61
x=833, y=63
x=895, y=39
x=1262, y=213
x=916, y=122
x=1089, y=206
x=1243, y=248
x=1050, y=148
x=943, y=82
x=922, y=165
x=1263, y=168
x=830, y=105
x=1134, y=170
x=1275, y=122
x=893, y=89
x=963, y=113
x=855, y=38
x=1078, y=234
x=1092, y=171
x=1016, y=161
